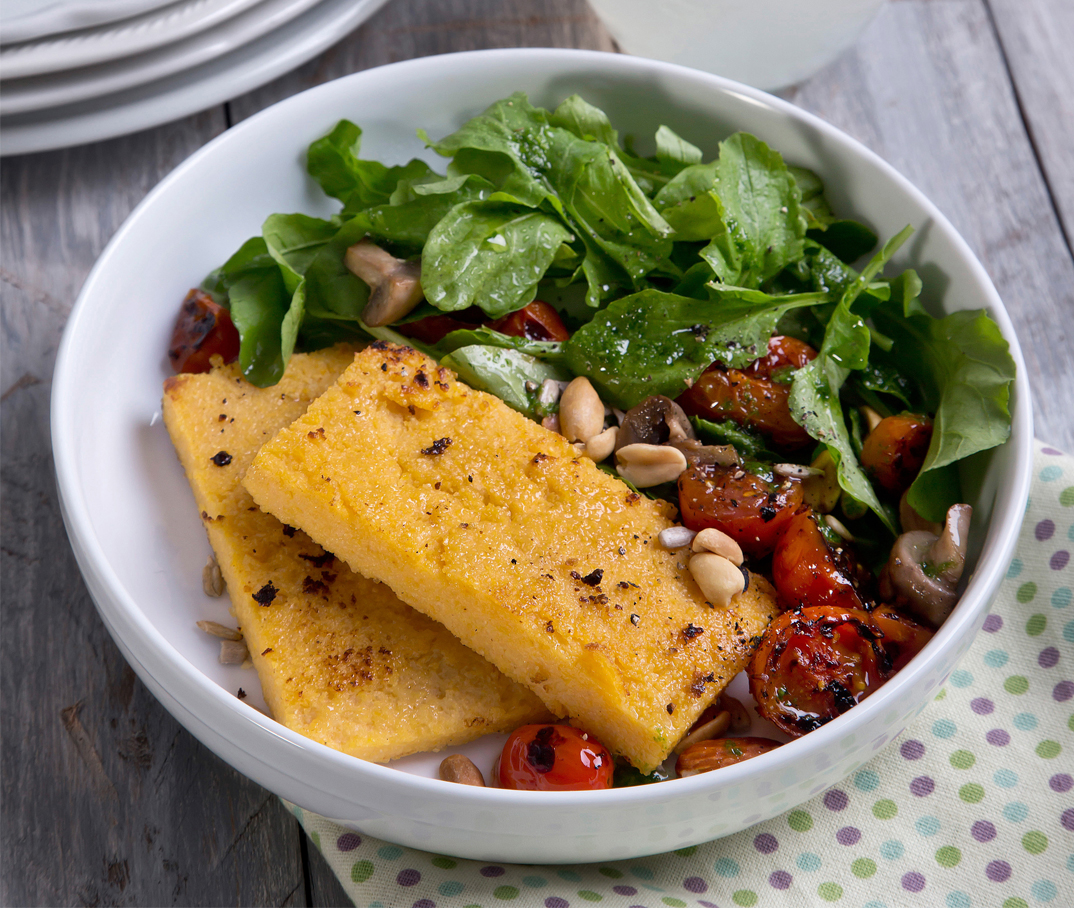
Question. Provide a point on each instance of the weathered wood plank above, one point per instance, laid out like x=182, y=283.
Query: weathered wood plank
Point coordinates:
x=105, y=798
x=412, y=28
x=1037, y=37
x=927, y=89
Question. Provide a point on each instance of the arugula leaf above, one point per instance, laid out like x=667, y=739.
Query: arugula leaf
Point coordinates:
x=848, y=240
x=577, y=115
x=489, y=254
x=293, y=241
x=259, y=302
x=965, y=370
x=549, y=351
x=672, y=148
x=503, y=372
x=749, y=444
x=334, y=163
x=653, y=342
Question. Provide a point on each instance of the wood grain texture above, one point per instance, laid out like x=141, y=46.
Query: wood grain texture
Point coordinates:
x=105, y=798
x=927, y=89
x=416, y=28
x=1037, y=37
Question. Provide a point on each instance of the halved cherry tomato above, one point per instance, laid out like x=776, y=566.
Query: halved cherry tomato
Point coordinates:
x=816, y=663
x=750, y=397
x=716, y=753
x=203, y=329
x=894, y=451
x=807, y=571
x=554, y=758
x=751, y=511
x=538, y=321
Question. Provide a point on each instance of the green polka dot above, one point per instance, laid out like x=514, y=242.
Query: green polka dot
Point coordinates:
x=971, y=793
x=535, y=882
x=830, y=892
x=1016, y=684
x=674, y=903
x=885, y=809
x=390, y=852
x=745, y=897
x=941, y=694
x=506, y=893
x=1037, y=623
x=962, y=759
x=1066, y=497
x=863, y=868
x=611, y=873
x=450, y=888
x=866, y=780
x=799, y=821
x=571, y=877
x=361, y=871
x=1026, y=591
x=1048, y=749
x=1015, y=902
x=1034, y=842
x=1070, y=722
x=686, y=852
x=316, y=836
x=948, y=856
x=444, y=863
x=590, y=896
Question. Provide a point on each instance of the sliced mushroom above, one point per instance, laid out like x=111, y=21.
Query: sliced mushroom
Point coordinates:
x=394, y=284
x=700, y=454
x=657, y=420
x=923, y=570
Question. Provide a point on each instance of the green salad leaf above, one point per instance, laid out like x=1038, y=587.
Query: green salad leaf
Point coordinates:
x=504, y=372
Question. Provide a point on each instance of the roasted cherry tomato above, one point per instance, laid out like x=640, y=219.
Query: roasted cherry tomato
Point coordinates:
x=554, y=758
x=807, y=571
x=538, y=321
x=814, y=664
x=750, y=510
x=202, y=330
x=433, y=329
x=894, y=451
x=750, y=397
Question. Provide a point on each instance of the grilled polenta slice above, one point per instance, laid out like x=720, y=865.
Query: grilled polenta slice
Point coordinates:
x=496, y=527
x=341, y=659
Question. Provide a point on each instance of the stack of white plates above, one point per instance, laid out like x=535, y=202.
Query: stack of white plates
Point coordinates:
x=76, y=71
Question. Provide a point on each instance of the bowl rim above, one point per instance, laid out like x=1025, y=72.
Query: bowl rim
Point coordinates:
x=260, y=737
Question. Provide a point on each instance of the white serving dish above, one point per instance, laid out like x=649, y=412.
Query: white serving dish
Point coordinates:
x=139, y=543
x=24, y=20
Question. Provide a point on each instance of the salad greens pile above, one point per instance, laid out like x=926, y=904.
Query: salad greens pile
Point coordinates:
x=660, y=265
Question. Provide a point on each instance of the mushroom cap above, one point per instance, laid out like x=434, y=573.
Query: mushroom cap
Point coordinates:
x=657, y=420
x=394, y=284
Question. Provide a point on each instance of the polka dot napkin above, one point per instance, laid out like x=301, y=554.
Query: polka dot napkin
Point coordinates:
x=972, y=806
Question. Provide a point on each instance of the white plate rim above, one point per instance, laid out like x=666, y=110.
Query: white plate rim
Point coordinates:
x=66, y=15
x=142, y=635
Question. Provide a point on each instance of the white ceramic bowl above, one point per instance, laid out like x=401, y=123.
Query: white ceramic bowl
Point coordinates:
x=140, y=545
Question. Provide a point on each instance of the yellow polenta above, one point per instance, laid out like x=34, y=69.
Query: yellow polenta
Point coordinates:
x=529, y=553
x=341, y=659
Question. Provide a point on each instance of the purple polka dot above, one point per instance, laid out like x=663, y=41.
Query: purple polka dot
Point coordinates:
x=983, y=831
x=1061, y=782
x=695, y=884
x=622, y=890
x=1059, y=560
x=424, y=903
x=992, y=624
x=348, y=841
x=780, y=879
x=982, y=705
x=848, y=835
x=1048, y=658
x=1066, y=818
x=836, y=799
x=556, y=902
x=997, y=737
x=1052, y=451
x=1044, y=530
x=998, y=871
x=702, y=903
x=1064, y=690
x=922, y=786
x=912, y=750
x=492, y=871
x=765, y=843
x=913, y=881
x=408, y=878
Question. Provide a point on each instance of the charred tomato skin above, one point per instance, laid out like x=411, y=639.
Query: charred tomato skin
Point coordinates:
x=203, y=329
x=554, y=758
x=750, y=510
x=814, y=664
x=806, y=571
x=893, y=453
x=537, y=321
x=750, y=396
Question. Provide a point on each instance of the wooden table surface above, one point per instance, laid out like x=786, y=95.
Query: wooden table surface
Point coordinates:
x=106, y=800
